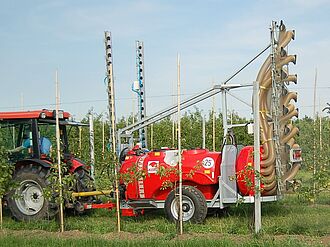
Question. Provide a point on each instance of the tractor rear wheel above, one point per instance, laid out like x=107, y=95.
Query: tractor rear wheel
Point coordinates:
x=83, y=183
x=194, y=205
x=26, y=202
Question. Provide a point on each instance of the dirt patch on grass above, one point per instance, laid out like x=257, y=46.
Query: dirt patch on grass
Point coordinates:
x=80, y=234
x=132, y=236
x=155, y=235
x=326, y=240
x=242, y=239
x=45, y=234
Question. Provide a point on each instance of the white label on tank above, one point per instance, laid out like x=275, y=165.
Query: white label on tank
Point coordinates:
x=153, y=166
x=208, y=162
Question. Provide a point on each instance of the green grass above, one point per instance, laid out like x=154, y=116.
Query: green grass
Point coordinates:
x=9, y=241
x=289, y=222
x=289, y=216
x=27, y=241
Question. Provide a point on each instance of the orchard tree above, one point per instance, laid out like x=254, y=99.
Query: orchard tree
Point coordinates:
x=6, y=171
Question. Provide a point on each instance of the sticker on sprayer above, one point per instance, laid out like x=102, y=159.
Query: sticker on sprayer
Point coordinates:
x=208, y=162
x=153, y=167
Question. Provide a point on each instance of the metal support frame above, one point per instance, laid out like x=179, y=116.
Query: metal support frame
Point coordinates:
x=277, y=87
x=203, y=132
x=219, y=197
x=225, y=132
x=257, y=188
x=173, y=109
x=185, y=103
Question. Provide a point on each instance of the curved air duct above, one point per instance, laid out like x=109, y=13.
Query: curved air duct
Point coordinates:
x=268, y=169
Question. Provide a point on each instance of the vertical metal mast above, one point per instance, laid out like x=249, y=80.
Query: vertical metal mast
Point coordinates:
x=203, y=131
x=276, y=111
x=141, y=92
x=112, y=115
x=213, y=122
x=110, y=89
x=256, y=125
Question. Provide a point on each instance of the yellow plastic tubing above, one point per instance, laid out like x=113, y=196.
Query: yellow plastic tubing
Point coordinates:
x=288, y=110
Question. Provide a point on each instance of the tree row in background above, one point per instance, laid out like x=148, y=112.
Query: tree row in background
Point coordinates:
x=314, y=140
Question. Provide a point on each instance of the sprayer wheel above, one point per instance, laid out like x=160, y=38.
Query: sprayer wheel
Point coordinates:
x=194, y=205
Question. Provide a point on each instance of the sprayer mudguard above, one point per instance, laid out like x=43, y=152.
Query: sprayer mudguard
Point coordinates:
x=158, y=171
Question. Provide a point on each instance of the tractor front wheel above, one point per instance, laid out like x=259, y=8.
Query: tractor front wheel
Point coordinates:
x=27, y=202
x=194, y=206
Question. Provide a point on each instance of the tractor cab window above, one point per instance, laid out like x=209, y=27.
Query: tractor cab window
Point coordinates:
x=47, y=139
x=29, y=141
x=25, y=139
x=17, y=139
x=8, y=135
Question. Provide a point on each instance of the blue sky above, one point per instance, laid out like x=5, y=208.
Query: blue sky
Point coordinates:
x=214, y=38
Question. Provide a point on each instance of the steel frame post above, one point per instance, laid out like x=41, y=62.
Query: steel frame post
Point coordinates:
x=203, y=132
x=256, y=127
x=225, y=132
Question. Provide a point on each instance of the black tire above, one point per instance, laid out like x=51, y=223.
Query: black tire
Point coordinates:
x=26, y=202
x=123, y=154
x=84, y=182
x=194, y=205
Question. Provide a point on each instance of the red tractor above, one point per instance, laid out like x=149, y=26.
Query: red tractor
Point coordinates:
x=24, y=135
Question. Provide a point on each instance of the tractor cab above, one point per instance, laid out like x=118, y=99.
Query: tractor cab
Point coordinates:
x=31, y=134
x=28, y=137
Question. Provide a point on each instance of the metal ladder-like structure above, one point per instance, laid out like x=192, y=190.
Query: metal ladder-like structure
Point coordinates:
x=277, y=88
x=140, y=90
x=110, y=86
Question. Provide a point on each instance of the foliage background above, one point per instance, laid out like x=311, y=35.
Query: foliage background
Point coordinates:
x=314, y=139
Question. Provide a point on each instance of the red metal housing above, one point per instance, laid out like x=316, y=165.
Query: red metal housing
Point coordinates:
x=152, y=175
